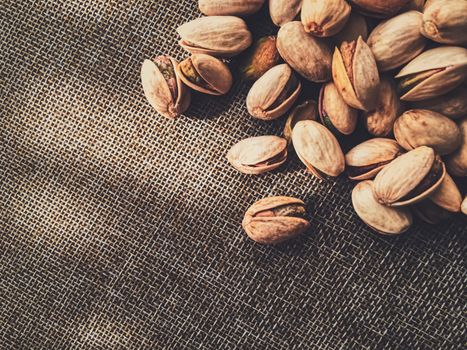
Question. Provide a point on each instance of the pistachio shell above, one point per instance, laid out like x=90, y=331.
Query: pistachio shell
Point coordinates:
x=457, y=161
x=464, y=206
x=356, y=26
x=308, y=110
x=422, y=127
x=318, y=149
x=283, y=12
x=396, y=41
x=257, y=155
x=272, y=95
x=367, y=159
x=309, y=56
x=447, y=196
x=229, y=7
x=452, y=105
x=379, y=8
x=334, y=112
x=383, y=219
x=219, y=36
x=324, y=17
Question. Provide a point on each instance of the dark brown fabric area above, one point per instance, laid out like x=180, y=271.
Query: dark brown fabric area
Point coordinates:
x=121, y=229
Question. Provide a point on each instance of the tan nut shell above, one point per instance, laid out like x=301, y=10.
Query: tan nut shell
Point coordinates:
x=318, y=148
x=379, y=8
x=452, y=105
x=396, y=41
x=309, y=56
x=356, y=26
x=456, y=163
x=308, y=110
x=383, y=219
x=447, y=196
x=324, y=18
x=422, y=127
x=273, y=230
x=219, y=36
x=403, y=174
x=229, y=7
x=464, y=206
x=267, y=89
x=158, y=94
x=283, y=12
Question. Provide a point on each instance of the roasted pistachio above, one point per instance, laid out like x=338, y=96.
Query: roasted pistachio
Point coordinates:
x=379, y=8
x=257, y=155
x=452, y=105
x=457, y=161
x=261, y=57
x=275, y=219
x=324, y=17
x=283, y=12
x=272, y=95
x=229, y=7
x=163, y=88
x=356, y=26
x=308, y=110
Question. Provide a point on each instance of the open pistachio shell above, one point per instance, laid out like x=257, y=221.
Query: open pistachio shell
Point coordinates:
x=356, y=26
x=229, y=7
x=324, y=18
x=308, y=110
x=452, y=105
x=379, y=8
x=457, y=161
x=283, y=12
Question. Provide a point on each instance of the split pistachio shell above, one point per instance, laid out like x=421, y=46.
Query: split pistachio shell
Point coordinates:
x=380, y=121
x=383, y=219
x=257, y=155
x=396, y=41
x=379, y=8
x=452, y=105
x=219, y=36
x=324, y=17
x=309, y=56
x=422, y=127
x=457, y=161
x=272, y=95
x=367, y=159
x=318, y=149
x=163, y=88
x=283, y=12
x=260, y=58
x=464, y=206
x=205, y=74
x=355, y=74
x=433, y=73
x=409, y=178
x=229, y=7
x=445, y=21
x=334, y=112
x=308, y=110
x=275, y=219
x=356, y=26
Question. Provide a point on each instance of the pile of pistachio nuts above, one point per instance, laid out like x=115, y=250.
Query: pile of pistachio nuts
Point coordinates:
x=397, y=66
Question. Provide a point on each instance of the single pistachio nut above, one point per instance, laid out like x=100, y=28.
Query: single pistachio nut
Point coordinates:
x=355, y=74
x=283, y=12
x=379, y=8
x=257, y=155
x=464, y=206
x=318, y=149
x=308, y=110
x=335, y=114
x=445, y=21
x=409, y=178
x=382, y=219
x=433, y=73
x=422, y=127
x=356, y=26
x=205, y=74
x=274, y=220
x=380, y=120
x=272, y=95
x=366, y=160
x=219, y=36
x=396, y=41
x=163, y=88
x=308, y=56
x=324, y=18
x=261, y=57
x=457, y=161
x=452, y=105
x=229, y=7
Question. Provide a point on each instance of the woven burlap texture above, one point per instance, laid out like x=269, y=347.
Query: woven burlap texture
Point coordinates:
x=120, y=229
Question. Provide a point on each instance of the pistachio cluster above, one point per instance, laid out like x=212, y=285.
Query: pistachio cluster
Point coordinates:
x=405, y=79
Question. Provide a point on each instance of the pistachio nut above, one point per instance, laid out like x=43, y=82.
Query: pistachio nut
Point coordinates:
x=396, y=41
x=409, y=178
x=283, y=12
x=355, y=74
x=318, y=149
x=464, y=206
x=261, y=57
x=274, y=220
x=422, y=127
x=219, y=36
x=205, y=74
x=367, y=159
x=309, y=56
x=379, y=8
x=380, y=120
x=272, y=95
x=335, y=114
x=257, y=155
x=452, y=105
x=308, y=110
x=356, y=26
x=457, y=161
x=229, y=7
x=324, y=18
x=445, y=21
x=163, y=88
x=433, y=73
x=382, y=219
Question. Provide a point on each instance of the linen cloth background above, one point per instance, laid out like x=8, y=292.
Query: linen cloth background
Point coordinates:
x=121, y=229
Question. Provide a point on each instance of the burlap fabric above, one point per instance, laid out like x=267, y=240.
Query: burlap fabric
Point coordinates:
x=121, y=229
